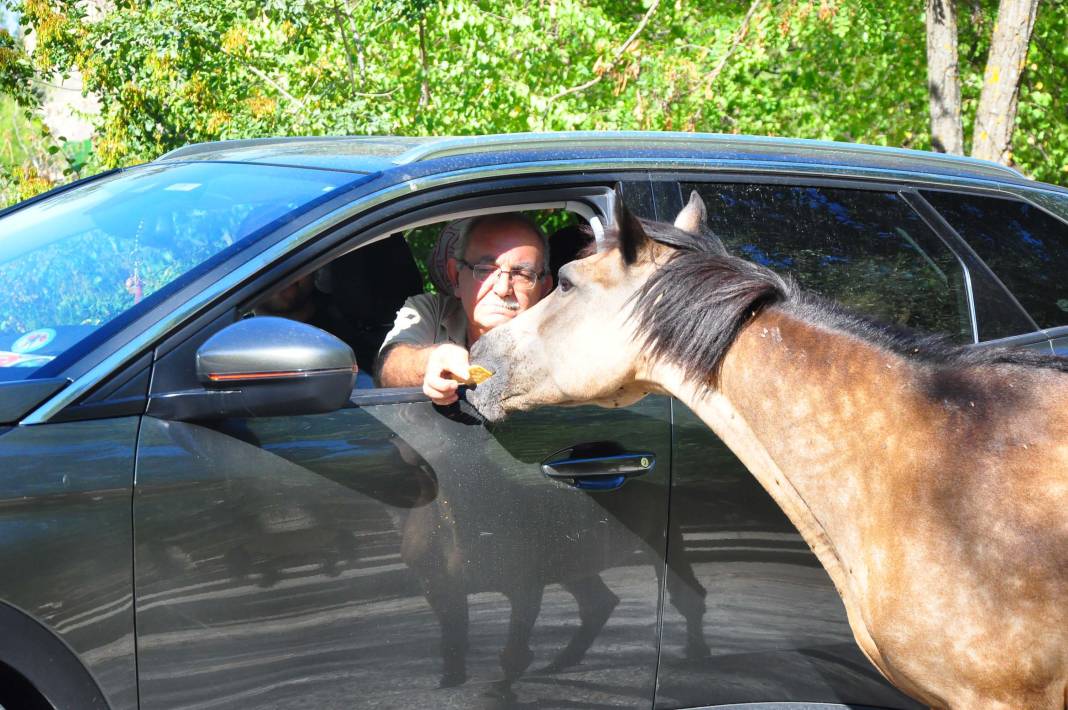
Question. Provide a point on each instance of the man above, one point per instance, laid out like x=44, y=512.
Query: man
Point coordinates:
x=498, y=269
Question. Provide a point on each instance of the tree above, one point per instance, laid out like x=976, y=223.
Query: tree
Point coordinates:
x=943, y=77
x=995, y=116
x=171, y=72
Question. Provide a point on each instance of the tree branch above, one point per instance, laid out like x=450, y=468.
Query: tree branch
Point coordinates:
x=995, y=116
x=378, y=94
x=345, y=40
x=424, y=87
x=943, y=77
x=735, y=41
x=615, y=57
x=277, y=87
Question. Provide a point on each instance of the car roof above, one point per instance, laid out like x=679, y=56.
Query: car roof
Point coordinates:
x=379, y=154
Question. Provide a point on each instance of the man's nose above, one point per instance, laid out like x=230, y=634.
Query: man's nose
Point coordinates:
x=502, y=283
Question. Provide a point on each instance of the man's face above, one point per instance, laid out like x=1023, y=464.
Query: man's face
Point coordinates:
x=498, y=299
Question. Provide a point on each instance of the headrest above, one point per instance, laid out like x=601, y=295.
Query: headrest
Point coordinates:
x=370, y=284
x=565, y=244
x=439, y=255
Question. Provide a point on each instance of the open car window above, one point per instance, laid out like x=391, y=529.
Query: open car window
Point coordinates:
x=356, y=296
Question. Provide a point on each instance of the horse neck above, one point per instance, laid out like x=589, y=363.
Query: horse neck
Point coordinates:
x=815, y=415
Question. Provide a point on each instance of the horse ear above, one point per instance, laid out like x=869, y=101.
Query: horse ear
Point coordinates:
x=631, y=233
x=694, y=217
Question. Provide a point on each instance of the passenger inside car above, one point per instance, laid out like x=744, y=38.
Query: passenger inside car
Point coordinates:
x=428, y=344
x=495, y=266
x=357, y=296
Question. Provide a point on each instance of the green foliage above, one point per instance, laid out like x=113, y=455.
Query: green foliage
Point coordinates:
x=171, y=72
x=16, y=73
x=27, y=154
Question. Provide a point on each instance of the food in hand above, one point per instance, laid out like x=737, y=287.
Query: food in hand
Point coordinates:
x=476, y=374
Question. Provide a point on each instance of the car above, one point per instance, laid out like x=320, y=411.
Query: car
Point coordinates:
x=199, y=507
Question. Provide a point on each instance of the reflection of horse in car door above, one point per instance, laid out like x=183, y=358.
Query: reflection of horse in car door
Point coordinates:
x=496, y=525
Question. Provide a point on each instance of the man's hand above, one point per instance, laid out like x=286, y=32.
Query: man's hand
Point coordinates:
x=447, y=364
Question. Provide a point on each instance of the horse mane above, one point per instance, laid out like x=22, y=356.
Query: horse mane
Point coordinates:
x=693, y=307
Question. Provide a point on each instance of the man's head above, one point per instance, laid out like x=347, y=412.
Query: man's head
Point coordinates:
x=500, y=268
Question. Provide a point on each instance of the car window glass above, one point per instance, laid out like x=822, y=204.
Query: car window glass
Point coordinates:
x=77, y=260
x=1026, y=247
x=868, y=250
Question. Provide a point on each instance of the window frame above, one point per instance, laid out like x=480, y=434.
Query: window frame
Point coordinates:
x=592, y=207
x=1015, y=195
x=673, y=182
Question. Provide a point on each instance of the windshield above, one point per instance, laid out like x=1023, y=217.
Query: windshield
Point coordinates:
x=77, y=260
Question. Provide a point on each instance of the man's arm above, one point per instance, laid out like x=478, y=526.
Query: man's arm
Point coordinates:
x=426, y=366
x=402, y=365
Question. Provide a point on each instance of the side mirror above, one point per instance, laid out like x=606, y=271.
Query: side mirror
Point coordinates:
x=262, y=367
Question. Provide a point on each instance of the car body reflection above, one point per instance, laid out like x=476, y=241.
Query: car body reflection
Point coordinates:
x=274, y=552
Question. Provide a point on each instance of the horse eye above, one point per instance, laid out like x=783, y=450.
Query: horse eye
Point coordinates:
x=565, y=284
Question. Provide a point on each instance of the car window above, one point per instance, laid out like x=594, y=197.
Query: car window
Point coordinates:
x=1025, y=246
x=76, y=261
x=357, y=296
x=866, y=249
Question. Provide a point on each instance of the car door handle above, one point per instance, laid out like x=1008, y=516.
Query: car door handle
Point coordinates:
x=601, y=465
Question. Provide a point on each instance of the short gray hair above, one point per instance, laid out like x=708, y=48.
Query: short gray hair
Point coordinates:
x=518, y=218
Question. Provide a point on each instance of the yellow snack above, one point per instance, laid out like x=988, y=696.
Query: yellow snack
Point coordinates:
x=476, y=375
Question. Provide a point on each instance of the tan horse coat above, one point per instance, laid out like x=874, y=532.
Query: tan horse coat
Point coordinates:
x=935, y=496
x=943, y=524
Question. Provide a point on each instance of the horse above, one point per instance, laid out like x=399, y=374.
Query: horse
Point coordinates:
x=930, y=480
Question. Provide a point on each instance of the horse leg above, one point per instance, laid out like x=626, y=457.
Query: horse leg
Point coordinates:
x=526, y=605
x=687, y=595
x=595, y=603
x=431, y=552
x=449, y=603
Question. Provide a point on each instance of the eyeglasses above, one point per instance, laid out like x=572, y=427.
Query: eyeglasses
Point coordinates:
x=523, y=279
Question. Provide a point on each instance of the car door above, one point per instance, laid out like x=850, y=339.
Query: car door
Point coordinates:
x=775, y=630
x=398, y=554
x=85, y=269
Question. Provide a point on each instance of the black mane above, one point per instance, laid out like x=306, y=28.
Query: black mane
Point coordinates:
x=693, y=306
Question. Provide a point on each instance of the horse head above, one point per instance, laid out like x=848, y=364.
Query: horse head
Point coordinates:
x=617, y=312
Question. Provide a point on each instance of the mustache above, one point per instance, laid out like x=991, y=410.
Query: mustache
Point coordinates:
x=510, y=303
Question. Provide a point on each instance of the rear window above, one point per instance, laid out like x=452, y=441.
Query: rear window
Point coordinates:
x=82, y=259
x=866, y=249
x=1025, y=246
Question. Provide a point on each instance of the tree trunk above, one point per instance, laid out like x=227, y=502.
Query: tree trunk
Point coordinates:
x=996, y=116
x=943, y=77
x=424, y=86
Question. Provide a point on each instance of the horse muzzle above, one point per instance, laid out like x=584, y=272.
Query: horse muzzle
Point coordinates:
x=489, y=396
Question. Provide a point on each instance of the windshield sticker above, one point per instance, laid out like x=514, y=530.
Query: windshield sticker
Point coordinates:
x=10, y=359
x=34, y=340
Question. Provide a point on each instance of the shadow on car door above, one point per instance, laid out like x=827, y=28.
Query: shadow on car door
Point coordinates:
x=399, y=554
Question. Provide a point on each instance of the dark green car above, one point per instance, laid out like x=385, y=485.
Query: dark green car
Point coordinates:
x=206, y=506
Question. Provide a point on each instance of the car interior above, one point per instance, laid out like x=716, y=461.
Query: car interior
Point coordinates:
x=356, y=296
